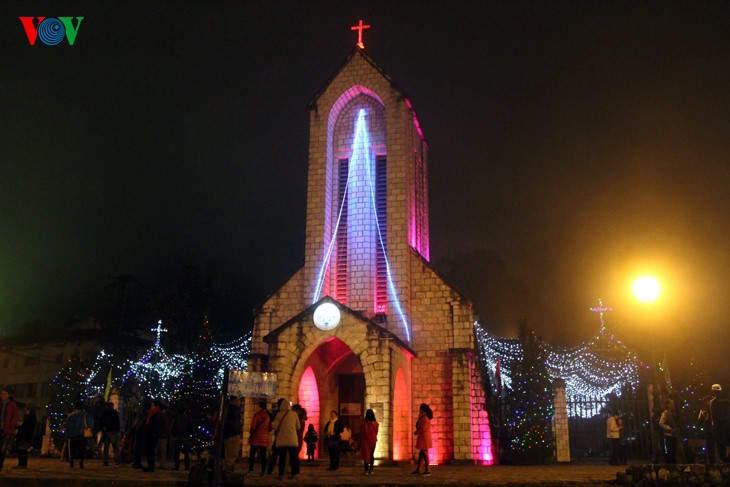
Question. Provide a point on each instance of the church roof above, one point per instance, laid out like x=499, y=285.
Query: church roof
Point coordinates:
x=272, y=336
x=312, y=105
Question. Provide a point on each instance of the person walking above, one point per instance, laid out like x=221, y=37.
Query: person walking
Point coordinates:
x=8, y=422
x=77, y=423
x=233, y=430
x=668, y=423
x=24, y=438
x=285, y=426
x=332, y=431
x=369, y=436
x=613, y=433
x=110, y=428
x=423, y=440
x=258, y=438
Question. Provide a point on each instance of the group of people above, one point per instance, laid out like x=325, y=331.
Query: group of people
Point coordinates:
x=10, y=430
x=713, y=418
x=282, y=431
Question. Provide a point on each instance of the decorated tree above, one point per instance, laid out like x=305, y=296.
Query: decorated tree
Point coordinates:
x=67, y=387
x=199, y=389
x=531, y=403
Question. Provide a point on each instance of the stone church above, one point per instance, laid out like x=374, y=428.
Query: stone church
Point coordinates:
x=367, y=322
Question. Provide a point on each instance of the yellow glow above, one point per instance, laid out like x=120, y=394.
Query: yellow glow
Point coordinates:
x=646, y=289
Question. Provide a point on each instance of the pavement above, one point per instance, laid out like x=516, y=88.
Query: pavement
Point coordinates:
x=51, y=472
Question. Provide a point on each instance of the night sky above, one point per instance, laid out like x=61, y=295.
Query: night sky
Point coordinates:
x=573, y=146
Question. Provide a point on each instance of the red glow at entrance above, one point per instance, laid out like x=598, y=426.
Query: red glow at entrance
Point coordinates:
x=309, y=400
x=401, y=425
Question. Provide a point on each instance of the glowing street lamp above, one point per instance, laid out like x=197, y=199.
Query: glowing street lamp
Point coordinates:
x=647, y=289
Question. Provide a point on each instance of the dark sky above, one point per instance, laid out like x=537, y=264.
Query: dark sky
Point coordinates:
x=574, y=145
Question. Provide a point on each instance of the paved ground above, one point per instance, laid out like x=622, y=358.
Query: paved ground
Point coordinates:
x=53, y=473
x=448, y=475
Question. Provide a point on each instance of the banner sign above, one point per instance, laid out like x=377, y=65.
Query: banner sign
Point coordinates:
x=252, y=384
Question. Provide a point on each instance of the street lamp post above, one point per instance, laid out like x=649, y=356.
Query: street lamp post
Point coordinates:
x=646, y=289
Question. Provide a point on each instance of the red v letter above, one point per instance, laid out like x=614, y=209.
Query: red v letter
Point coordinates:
x=31, y=30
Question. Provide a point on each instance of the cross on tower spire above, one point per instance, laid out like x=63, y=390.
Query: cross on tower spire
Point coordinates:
x=600, y=310
x=359, y=28
x=159, y=331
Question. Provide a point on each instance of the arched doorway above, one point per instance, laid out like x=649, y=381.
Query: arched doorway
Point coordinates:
x=336, y=372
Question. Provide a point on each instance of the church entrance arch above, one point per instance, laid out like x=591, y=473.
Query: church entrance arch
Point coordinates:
x=337, y=375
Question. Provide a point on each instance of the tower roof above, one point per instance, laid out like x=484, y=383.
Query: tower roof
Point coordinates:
x=312, y=104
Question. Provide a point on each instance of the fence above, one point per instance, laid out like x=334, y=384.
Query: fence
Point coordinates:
x=587, y=418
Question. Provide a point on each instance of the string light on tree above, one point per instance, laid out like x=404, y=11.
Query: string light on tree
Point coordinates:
x=601, y=366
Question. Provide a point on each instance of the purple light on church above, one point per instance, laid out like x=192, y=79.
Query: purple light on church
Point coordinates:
x=361, y=154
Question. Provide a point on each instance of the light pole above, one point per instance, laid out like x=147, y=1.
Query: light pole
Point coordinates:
x=647, y=289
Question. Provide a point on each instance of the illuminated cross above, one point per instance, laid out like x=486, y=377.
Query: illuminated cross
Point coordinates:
x=601, y=309
x=159, y=330
x=359, y=28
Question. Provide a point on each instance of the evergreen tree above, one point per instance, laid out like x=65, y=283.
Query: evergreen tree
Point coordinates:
x=199, y=391
x=691, y=399
x=67, y=387
x=531, y=403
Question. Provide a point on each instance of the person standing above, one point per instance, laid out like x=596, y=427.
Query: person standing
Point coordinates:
x=423, y=440
x=311, y=440
x=110, y=428
x=233, y=430
x=369, y=436
x=8, y=420
x=302, y=413
x=613, y=433
x=258, y=437
x=165, y=432
x=285, y=426
x=668, y=423
x=78, y=421
x=154, y=429
x=332, y=431
x=139, y=435
x=24, y=438
x=622, y=442
x=719, y=422
x=182, y=431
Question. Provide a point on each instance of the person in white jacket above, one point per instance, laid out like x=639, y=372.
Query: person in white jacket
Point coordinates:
x=613, y=433
x=285, y=428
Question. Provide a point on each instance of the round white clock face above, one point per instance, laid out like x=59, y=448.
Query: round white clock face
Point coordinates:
x=326, y=316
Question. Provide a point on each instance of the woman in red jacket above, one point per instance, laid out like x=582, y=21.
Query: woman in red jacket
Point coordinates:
x=423, y=440
x=259, y=437
x=369, y=435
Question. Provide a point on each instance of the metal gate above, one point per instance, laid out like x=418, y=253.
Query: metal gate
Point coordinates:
x=587, y=418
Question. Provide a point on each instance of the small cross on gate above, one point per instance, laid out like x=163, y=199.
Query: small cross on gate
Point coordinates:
x=159, y=330
x=359, y=28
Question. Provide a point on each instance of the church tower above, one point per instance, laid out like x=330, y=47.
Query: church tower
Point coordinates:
x=367, y=323
x=368, y=194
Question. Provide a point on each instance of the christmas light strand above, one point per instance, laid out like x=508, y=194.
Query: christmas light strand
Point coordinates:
x=597, y=368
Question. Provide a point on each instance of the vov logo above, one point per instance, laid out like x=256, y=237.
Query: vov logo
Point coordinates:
x=51, y=30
